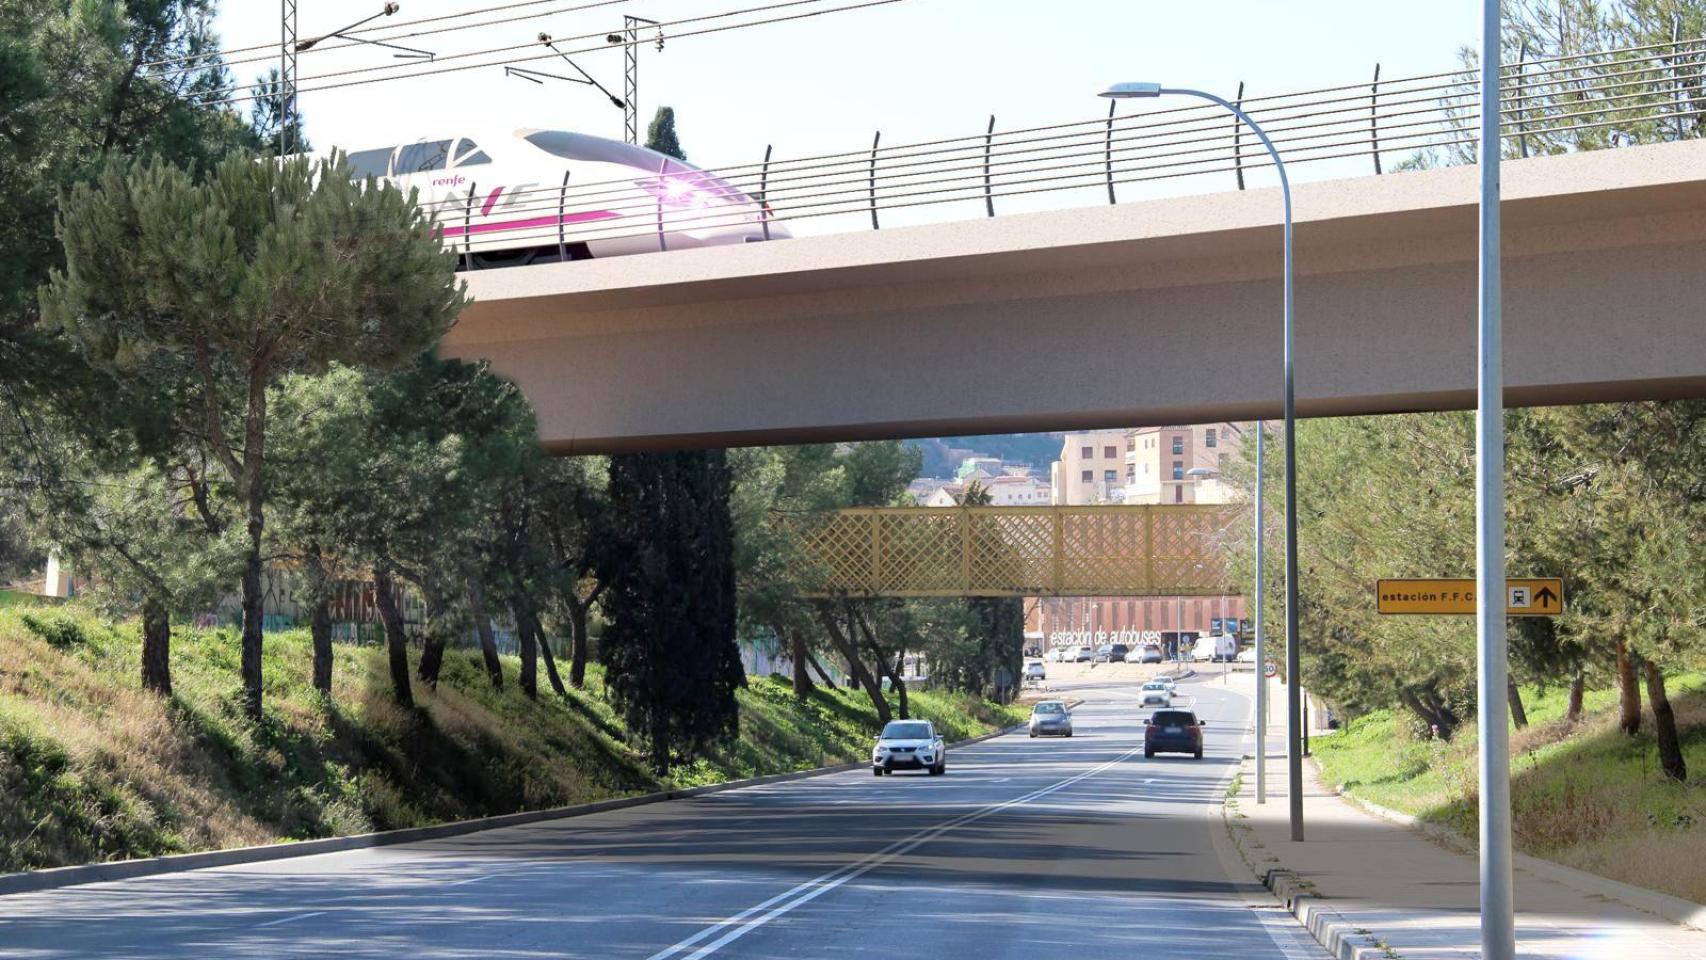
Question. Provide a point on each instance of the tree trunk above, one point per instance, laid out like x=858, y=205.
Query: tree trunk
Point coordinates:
x=1664, y=725
x=529, y=654
x=254, y=495
x=320, y=623
x=436, y=635
x=156, y=647
x=817, y=667
x=1628, y=691
x=1427, y=713
x=483, y=626
x=855, y=668
x=797, y=656
x=544, y=643
x=396, y=638
x=577, y=640
x=898, y=683
x=1578, y=686
x=1519, y=714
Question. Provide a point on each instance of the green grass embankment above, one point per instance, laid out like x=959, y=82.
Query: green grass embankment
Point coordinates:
x=93, y=768
x=1582, y=794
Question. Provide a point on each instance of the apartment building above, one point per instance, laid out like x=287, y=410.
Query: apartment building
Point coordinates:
x=1159, y=462
x=1091, y=468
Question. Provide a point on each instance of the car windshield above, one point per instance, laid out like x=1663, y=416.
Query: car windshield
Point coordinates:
x=1050, y=707
x=900, y=730
x=1155, y=685
x=1174, y=718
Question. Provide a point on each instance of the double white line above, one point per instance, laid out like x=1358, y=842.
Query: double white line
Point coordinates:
x=754, y=917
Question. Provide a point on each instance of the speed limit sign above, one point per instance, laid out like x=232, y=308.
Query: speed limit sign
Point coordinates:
x=1271, y=668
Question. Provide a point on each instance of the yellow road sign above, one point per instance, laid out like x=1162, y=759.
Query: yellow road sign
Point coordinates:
x=1524, y=596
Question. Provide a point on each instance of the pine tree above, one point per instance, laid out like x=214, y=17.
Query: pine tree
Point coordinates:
x=669, y=649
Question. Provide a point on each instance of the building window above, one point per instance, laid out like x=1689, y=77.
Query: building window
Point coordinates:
x=1178, y=445
x=1178, y=470
x=1131, y=443
x=1089, y=476
x=1109, y=453
x=1178, y=494
x=1208, y=438
x=1110, y=476
x=1085, y=453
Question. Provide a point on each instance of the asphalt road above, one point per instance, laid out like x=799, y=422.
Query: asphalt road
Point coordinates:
x=1075, y=848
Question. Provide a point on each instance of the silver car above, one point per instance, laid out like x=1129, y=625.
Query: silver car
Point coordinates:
x=1050, y=719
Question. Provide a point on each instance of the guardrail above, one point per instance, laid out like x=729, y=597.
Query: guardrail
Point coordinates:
x=1550, y=105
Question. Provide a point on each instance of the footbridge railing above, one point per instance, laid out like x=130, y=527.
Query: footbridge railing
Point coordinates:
x=1164, y=550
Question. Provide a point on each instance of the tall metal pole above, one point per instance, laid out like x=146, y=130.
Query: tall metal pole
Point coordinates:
x=1261, y=645
x=631, y=79
x=286, y=73
x=1498, y=921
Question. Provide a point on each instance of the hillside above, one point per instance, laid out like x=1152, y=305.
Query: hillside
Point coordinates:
x=942, y=455
x=92, y=768
x=1572, y=785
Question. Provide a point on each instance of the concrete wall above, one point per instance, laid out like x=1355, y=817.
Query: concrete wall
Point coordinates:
x=1031, y=322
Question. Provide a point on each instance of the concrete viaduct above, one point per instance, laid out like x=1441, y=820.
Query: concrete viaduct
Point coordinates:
x=1152, y=312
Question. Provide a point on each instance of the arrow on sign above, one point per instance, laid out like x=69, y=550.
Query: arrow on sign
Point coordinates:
x=1547, y=598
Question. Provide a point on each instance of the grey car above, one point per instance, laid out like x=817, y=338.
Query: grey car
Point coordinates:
x=1051, y=719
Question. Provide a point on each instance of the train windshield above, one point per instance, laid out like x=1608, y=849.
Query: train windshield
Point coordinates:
x=370, y=163
x=579, y=146
x=422, y=157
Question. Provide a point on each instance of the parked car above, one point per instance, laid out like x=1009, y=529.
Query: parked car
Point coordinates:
x=1173, y=731
x=1247, y=655
x=1034, y=670
x=1156, y=693
x=1103, y=653
x=1117, y=652
x=909, y=745
x=1051, y=719
x=1081, y=654
x=1148, y=653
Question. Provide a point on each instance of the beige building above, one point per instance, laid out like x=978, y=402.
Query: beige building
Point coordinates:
x=1091, y=469
x=1159, y=461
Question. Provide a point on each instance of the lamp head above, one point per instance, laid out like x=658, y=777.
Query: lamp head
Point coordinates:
x=1128, y=91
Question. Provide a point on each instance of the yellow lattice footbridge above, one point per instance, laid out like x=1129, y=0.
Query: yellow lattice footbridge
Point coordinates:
x=1138, y=551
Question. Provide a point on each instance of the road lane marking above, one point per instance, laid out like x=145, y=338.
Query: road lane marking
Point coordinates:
x=739, y=925
x=458, y=883
x=300, y=916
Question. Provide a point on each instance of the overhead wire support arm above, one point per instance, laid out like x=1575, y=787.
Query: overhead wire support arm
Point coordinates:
x=341, y=32
x=585, y=79
x=630, y=40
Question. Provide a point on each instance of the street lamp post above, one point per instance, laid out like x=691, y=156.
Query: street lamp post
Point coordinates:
x=1294, y=703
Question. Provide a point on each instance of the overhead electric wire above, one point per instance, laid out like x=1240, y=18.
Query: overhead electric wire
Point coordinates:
x=389, y=38
x=400, y=25
x=357, y=71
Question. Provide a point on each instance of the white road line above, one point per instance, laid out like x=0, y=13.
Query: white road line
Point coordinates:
x=300, y=916
x=818, y=886
x=458, y=883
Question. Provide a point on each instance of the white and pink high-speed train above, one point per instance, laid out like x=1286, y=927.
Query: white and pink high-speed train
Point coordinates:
x=539, y=196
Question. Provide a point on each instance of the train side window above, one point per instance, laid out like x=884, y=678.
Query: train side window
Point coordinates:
x=422, y=157
x=370, y=163
x=468, y=153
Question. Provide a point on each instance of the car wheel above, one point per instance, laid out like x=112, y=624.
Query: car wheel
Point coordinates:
x=1069, y=733
x=939, y=769
x=1148, y=754
x=1199, y=753
x=1033, y=734
x=876, y=771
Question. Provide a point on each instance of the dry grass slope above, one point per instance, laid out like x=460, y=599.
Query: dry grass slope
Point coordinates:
x=92, y=768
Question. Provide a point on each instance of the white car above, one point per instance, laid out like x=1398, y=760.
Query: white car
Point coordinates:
x=1054, y=654
x=1247, y=655
x=527, y=196
x=909, y=745
x=1156, y=693
x=1034, y=670
x=1081, y=655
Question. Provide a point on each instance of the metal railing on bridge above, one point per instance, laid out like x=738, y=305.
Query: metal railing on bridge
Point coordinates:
x=1022, y=551
x=1549, y=105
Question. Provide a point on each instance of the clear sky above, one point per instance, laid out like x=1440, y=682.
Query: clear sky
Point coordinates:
x=916, y=69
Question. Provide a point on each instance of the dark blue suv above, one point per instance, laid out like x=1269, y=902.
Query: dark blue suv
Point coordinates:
x=1173, y=731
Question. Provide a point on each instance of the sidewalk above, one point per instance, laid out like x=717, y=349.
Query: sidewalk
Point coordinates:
x=1370, y=888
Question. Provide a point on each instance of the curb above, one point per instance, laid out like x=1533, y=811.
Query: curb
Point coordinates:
x=1338, y=936
x=1682, y=912
x=31, y=881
